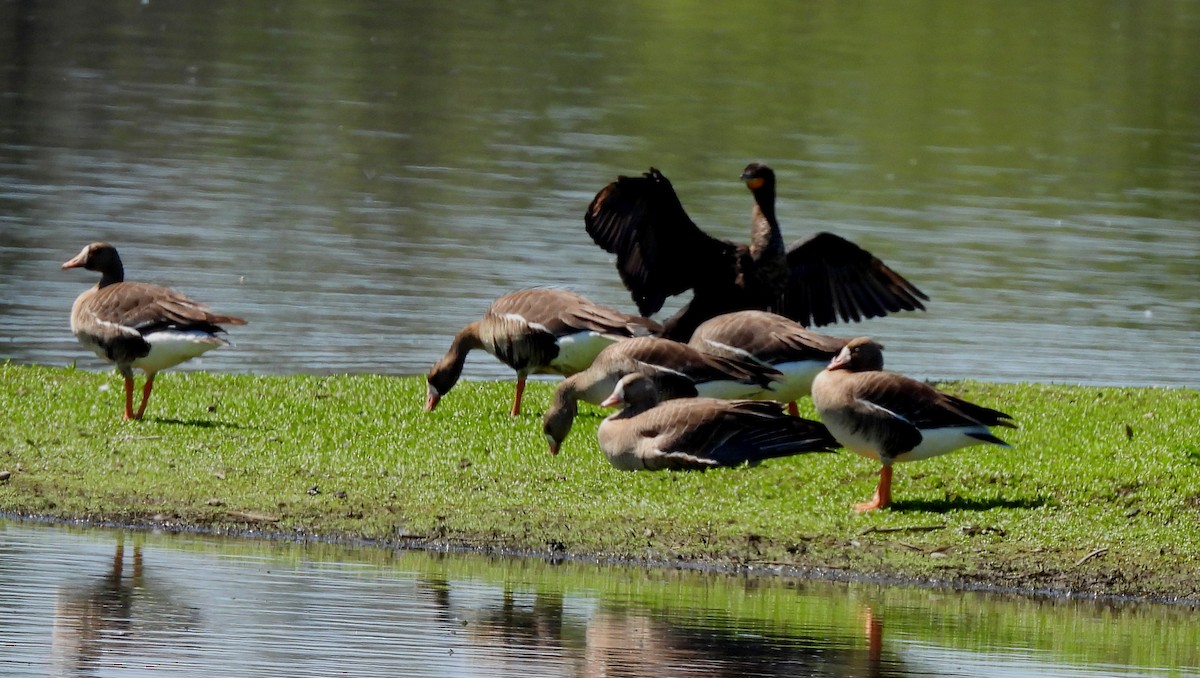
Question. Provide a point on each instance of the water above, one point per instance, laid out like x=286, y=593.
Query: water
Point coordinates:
x=100, y=603
x=360, y=178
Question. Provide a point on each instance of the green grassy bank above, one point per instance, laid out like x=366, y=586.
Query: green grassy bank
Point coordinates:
x=1100, y=495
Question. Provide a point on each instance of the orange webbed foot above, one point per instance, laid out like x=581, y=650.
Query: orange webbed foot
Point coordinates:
x=883, y=492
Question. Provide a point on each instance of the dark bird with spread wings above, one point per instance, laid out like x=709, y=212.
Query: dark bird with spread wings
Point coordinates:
x=662, y=253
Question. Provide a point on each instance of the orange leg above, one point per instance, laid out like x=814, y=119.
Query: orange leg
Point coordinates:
x=793, y=410
x=516, y=408
x=883, y=492
x=129, y=398
x=149, y=385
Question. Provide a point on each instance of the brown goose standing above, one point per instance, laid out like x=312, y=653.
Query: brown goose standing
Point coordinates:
x=139, y=325
x=536, y=331
x=700, y=433
x=678, y=371
x=661, y=253
x=799, y=354
x=893, y=418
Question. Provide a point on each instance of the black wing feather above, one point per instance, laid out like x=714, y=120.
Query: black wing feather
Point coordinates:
x=831, y=277
x=660, y=251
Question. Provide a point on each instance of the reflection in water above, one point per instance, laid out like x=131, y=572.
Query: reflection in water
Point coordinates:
x=87, y=616
x=79, y=603
x=618, y=639
x=112, y=615
x=524, y=629
x=633, y=644
x=874, y=629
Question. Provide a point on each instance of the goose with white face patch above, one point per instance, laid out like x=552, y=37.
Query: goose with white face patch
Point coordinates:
x=139, y=325
x=536, y=331
x=893, y=418
x=784, y=344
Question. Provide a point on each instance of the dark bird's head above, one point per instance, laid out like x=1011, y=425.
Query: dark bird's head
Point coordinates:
x=559, y=419
x=97, y=256
x=101, y=257
x=859, y=355
x=757, y=175
x=441, y=378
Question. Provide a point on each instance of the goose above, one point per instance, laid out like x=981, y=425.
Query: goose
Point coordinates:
x=799, y=354
x=678, y=370
x=660, y=253
x=893, y=418
x=699, y=433
x=535, y=331
x=139, y=325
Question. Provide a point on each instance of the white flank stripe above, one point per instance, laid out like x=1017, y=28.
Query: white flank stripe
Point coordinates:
x=660, y=368
x=735, y=350
x=518, y=318
x=123, y=329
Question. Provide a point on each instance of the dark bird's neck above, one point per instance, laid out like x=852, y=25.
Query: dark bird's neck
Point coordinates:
x=767, y=251
x=113, y=273
x=765, y=239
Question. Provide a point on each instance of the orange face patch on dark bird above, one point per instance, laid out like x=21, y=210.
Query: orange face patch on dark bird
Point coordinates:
x=755, y=183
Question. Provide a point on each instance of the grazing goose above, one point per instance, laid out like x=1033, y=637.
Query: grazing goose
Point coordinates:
x=678, y=371
x=661, y=253
x=700, y=433
x=139, y=325
x=892, y=418
x=773, y=340
x=536, y=331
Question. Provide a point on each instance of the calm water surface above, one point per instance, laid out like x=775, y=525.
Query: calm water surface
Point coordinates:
x=101, y=603
x=360, y=178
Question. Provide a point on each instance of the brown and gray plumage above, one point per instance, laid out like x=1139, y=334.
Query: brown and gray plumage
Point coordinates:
x=893, y=418
x=662, y=253
x=700, y=433
x=798, y=353
x=678, y=371
x=139, y=325
x=536, y=331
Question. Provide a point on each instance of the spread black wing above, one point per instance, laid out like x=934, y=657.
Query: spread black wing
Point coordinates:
x=830, y=277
